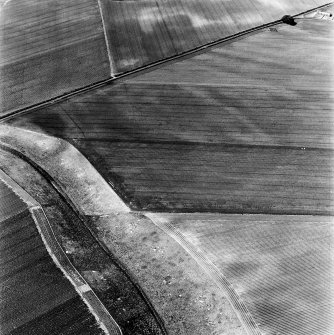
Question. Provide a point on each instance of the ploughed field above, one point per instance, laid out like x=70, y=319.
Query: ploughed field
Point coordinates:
x=35, y=296
x=244, y=128
x=49, y=48
x=280, y=267
x=52, y=47
x=142, y=32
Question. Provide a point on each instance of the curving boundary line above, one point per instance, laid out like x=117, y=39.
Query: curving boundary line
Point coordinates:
x=80, y=214
x=101, y=314
x=213, y=272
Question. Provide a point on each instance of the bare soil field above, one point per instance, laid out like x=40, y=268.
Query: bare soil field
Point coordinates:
x=142, y=32
x=48, y=48
x=35, y=296
x=245, y=127
x=281, y=267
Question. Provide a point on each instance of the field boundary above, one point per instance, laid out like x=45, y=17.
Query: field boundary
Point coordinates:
x=84, y=218
x=111, y=62
x=59, y=257
x=116, y=77
x=212, y=271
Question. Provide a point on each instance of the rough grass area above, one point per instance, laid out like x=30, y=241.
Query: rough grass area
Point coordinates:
x=185, y=298
x=35, y=296
x=280, y=266
x=98, y=268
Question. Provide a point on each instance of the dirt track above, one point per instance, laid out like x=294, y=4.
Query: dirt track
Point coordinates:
x=141, y=32
x=244, y=128
x=35, y=296
x=281, y=267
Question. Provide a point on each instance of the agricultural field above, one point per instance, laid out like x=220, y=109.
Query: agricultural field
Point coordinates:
x=244, y=127
x=35, y=296
x=280, y=267
x=190, y=177
x=186, y=300
x=206, y=150
x=48, y=48
x=142, y=32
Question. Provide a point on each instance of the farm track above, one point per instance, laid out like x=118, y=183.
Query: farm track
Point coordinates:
x=151, y=30
x=242, y=128
x=35, y=296
x=60, y=49
x=123, y=294
x=279, y=267
x=240, y=308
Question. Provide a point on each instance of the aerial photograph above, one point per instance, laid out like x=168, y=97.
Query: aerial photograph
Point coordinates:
x=166, y=167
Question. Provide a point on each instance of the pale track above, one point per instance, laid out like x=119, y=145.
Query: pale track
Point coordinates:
x=145, y=68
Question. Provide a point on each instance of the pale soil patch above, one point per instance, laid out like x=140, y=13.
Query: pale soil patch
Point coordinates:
x=70, y=169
